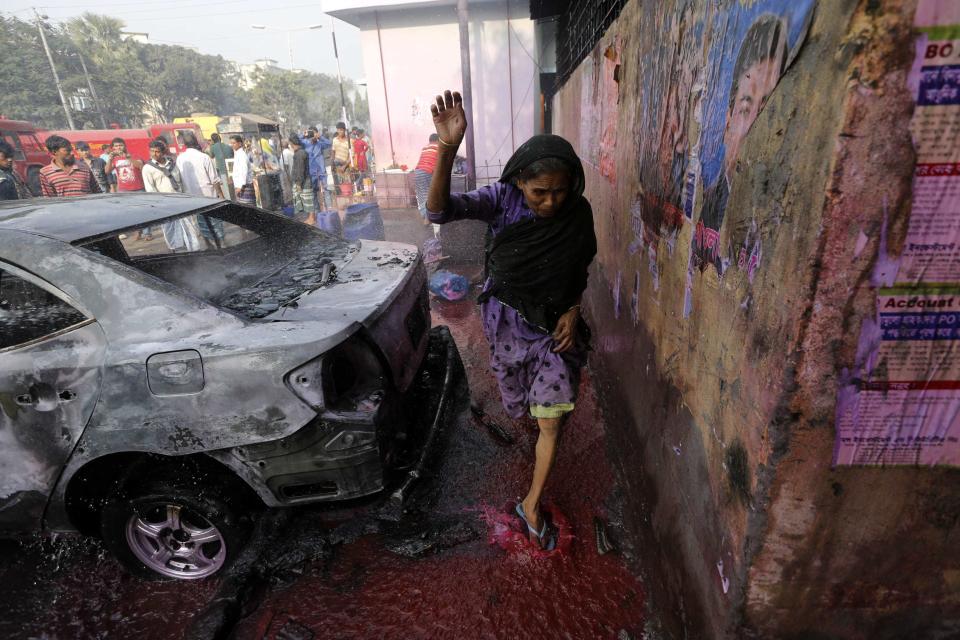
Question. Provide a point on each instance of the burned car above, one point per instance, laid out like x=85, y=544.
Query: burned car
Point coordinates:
x=156, y=392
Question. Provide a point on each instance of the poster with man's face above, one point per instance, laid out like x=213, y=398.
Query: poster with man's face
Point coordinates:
x=752, y=44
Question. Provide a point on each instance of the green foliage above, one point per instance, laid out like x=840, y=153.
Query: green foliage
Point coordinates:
x=300, y=99
x=138, y=82
x=182, y=81
x=119, y=78
x=361, y=111
x=28, y=89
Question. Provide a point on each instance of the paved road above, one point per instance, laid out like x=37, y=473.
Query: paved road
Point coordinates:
x=455, y=566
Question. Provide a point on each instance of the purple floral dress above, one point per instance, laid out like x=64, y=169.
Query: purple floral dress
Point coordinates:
x=530, y=375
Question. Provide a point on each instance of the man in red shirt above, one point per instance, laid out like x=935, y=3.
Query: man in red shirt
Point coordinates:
x=360, y=148
x=128, y=168
x=129, y=174
x=64, y=176
x=424, y=173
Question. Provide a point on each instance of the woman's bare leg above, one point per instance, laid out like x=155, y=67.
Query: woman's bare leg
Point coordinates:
x=546, y=454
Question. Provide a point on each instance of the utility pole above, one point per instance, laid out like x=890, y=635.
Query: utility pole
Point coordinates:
x=386, y=94
x=93, y=92
x=467, y=91
x=343, y=99
x=56, y=78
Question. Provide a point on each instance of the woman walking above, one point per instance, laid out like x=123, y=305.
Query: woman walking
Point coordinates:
x=539, y=247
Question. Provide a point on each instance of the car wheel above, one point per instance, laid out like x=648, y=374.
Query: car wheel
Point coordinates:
x=171, y=531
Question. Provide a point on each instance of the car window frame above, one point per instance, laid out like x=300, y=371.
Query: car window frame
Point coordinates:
x=34, y=142
x=132, y=260
x=40, y=283
x=133, y=273
x=11, y=137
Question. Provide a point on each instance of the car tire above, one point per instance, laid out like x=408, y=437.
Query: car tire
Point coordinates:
x=173, y=531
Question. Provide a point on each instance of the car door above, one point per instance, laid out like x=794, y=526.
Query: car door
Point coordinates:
x=51, y=360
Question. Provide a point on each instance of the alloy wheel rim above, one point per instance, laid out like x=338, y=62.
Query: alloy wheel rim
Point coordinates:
x=175, y=541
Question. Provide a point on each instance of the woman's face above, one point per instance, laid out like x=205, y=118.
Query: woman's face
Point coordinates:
x=545, y=193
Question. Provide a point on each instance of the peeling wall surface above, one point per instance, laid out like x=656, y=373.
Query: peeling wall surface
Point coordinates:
x=751, y=165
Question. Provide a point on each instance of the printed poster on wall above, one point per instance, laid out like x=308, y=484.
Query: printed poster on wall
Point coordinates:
x=901, y=403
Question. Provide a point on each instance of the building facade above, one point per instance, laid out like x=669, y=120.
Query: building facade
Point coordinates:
x=411, y=52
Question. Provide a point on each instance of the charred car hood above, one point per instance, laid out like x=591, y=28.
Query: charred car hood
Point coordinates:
x=363, y=285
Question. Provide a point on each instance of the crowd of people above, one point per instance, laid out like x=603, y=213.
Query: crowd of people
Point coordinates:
x=223, y=170
x=226, y=170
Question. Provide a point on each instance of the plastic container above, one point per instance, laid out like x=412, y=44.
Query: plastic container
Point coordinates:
x=346, y=188
x=329, y=221
x=363, y=222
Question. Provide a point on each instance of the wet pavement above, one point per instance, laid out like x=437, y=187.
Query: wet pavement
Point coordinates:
x=455, y=565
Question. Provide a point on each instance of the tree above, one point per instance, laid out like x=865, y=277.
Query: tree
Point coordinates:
x=182, y=81
x=114, y=65
x=29, y=92
x=136, y=82
x=361, y=110
x=280, y=94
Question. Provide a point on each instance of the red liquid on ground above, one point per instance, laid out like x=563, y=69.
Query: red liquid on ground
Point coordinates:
x=499, y=585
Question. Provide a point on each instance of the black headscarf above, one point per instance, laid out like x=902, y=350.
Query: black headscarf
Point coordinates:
x=539, y=266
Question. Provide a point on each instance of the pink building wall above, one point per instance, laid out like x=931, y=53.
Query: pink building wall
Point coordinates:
x=419, y=61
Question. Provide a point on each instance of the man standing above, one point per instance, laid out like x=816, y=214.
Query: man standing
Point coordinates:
x=96, y=166
x=11, y=187
x=200, y=175
x=242, y=172
x=128, y=170
x=302, y=182
x=285, y=160
x=341, y=154
x=161, y=175
x=64, y=177
x=360, y=158
x=111, y=176
x=220, y=152
x=315, y=146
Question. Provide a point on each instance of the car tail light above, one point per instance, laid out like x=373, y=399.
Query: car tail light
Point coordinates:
x=342, y=379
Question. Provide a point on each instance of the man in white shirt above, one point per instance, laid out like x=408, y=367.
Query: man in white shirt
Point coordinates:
x=242, y=172
x=160, y=175
x=200, y=175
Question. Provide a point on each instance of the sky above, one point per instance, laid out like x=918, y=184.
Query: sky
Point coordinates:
x=224, y=27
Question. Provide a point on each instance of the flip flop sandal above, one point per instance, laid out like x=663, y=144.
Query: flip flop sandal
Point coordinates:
x=546, y=545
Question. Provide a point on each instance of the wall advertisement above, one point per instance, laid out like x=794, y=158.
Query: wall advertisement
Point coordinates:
x=900, y=405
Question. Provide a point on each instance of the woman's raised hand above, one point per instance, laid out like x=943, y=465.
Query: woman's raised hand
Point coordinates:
x=449, y=118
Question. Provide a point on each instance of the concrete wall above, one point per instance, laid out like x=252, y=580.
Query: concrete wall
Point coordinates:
x=720, y=342
x=421, y=57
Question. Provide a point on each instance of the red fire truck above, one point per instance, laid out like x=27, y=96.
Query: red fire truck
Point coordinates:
x=138, y=140
x=29, y=152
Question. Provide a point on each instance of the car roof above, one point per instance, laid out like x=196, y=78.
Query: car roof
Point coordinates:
x=72, y=219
